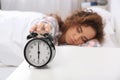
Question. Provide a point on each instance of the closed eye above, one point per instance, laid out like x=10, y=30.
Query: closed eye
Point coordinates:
x=79, y=29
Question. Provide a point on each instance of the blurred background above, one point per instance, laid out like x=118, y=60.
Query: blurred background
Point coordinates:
x=61, y=7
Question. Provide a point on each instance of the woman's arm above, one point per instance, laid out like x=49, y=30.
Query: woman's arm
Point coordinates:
x=46, y=25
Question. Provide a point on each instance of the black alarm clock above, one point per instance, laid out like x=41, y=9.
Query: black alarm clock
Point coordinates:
x=39, y=50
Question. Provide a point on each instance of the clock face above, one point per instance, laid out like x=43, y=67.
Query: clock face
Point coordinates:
x=37, y=52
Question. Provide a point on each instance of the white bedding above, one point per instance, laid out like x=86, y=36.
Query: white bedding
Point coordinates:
x=14, y=26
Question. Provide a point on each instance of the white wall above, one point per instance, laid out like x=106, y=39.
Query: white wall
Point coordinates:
x=115, y=10
x=62, y=7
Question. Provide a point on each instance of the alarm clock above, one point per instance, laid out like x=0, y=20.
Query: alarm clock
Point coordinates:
x=39, y=50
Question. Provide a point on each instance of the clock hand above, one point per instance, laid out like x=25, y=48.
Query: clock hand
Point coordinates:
x=38, y=52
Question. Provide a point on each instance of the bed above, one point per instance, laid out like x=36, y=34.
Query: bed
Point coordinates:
x=14, y=26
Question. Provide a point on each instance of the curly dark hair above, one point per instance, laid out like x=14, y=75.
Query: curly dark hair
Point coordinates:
x=82, y=17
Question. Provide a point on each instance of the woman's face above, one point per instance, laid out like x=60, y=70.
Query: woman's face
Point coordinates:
x=76, y=35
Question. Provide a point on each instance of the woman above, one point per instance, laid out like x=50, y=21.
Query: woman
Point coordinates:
x=76, y=29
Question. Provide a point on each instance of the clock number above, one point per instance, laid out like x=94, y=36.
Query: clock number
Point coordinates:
x=31, y=47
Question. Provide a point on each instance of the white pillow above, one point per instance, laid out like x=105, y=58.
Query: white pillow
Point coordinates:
x=21, y=24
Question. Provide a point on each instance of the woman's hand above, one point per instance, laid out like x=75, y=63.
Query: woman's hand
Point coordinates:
x=41, y=28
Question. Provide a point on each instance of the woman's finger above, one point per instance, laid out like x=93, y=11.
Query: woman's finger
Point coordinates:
x=33, y=28
x=47, y=28
x=40, y=28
